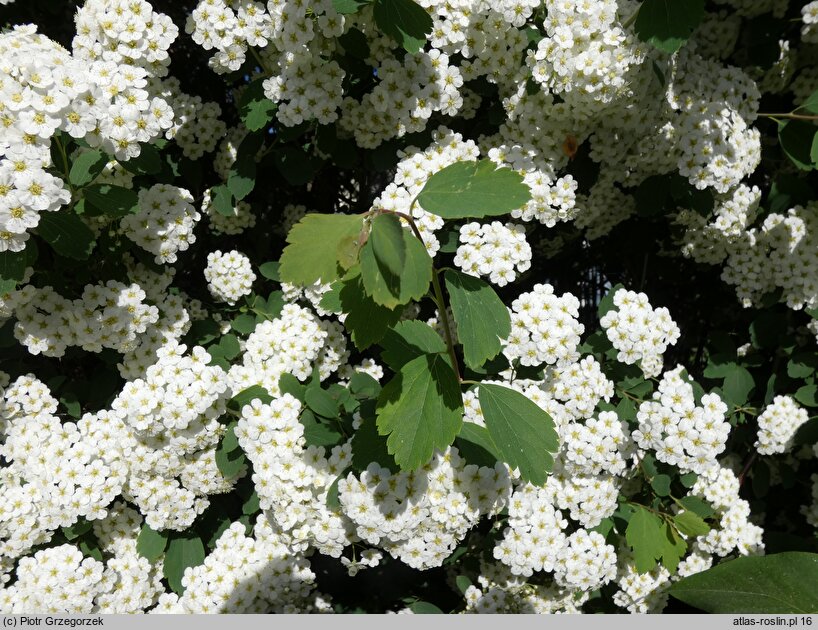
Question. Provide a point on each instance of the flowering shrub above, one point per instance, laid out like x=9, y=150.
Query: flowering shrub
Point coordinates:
x=469, y=306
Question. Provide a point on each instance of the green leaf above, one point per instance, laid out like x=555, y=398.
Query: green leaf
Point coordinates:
x=811, y=104
x=420, y=409
x=691, y=524
x=408, y=340
x=523, y=433
x=737, y=386
x=802, y=365
x=482, y=318
x=463, y=583
x=321, y=402
x=780, y=583
x=148, y=162
x=229, y=456
x=296, y=165
x=246, y=396
x=425, y=608
x=646, y=537
x=363, y=386
x=317, y=433
x=270, y=270
x=222, y=200
x=796, y=138
x=244, y=324
x=806, y=395
x=388, y=289
x=475, y=445
x=404, y=21
x=366, y=321
x=345, y=7
x=661, y=485
x=151, y=544
x=255, y=109
x=110, y=200
x=86, y=167
x=242, y=177
x=667, y=24
x=698, y=506
x=333, y=502
x=313, y=242
x=674, y=550
x=607, y=303
x=289, y=384
x=369, y=446
x=473, y=189
x=183, y=551
x=67, y=234
x=387, y=242
x=72, y=532
x=12, y=269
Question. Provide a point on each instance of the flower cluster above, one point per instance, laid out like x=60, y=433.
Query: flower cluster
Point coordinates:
x=229, y=276
x=164, y=222
x=681, y=432
x=494, y=250
x=544, y=328
x=640, y=334
x=777, y=425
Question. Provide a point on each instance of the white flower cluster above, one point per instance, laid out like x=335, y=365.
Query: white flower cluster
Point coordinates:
x=809, y=16
x=166, y=428
x=717, y=147
x=242, y=216
x=500, y=591
x=720, y=488
x=56, y=472
x=642, y=592
x=56, y=580
x=544, y=328
x=291, y=478
x=494, y=250
x=579, y=386
x=110, y=315
x=164, y=223
x=599, y=445
x=291, y=37
x=534, y=541
x=414, y=169
x=245, y=574
x=419, y=517
x=408, y=92
x=641, y=334
x=778, y=424
x=680, y=432
x=229, y=276
x=585, y=58
x=293, y=343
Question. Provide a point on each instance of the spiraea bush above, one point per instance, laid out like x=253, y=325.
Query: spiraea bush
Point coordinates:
x=408, y=306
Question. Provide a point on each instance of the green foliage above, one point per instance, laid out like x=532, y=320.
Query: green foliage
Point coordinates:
x=255, y=109
x=109, y=200
x=404, y=21
x=420, y=409
x=482, y=318
x=523, y=433
x=230, y=459
x=13, y=266
x=798, y=141
x=408, y=340
x=394, y=289
x=667, y=24
x=151, y=544
x=473, y=189
x=312, y=250
x=184, y=550
x=737, y=386
x=780, y=583
x=366, y=321
x=67, y=234
x=242, y=177
x=86, y=167
x=651, y=538
x=388, y=245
